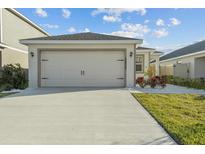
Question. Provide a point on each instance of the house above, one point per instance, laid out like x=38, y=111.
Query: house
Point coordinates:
x=82, y=60
x=85, y=60
x=144, y=57
x=15, y=26
x=186, y=62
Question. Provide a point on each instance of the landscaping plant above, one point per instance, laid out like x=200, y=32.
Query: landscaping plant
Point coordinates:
x=150, y=71
x=152, y=81
x=163, y=81
x=13, y=76
x=187, y=82
x=141, y=82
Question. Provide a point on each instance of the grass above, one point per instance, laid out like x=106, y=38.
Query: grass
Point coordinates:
x=181, y=115
x=5, y=94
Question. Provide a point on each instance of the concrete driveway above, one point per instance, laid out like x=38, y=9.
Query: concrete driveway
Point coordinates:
x=77, y=116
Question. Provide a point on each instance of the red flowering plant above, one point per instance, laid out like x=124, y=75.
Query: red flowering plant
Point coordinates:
x=158, y=78
x=153, y=82
x=157, y=81
x=140, y=81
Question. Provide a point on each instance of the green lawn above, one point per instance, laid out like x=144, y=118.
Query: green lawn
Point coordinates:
x=182, y=115
x=5, y=94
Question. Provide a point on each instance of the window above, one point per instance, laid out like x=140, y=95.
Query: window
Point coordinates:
x=139, y=63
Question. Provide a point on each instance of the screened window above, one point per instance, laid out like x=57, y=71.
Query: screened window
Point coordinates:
x=139, y=63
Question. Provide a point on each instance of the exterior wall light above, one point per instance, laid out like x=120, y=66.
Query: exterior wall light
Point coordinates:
x=32, y=54
x=131, y=54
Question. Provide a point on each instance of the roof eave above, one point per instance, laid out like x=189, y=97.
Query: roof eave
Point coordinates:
x=30, y=42
x=157, y=54
x=2, y=46
x=146, y=49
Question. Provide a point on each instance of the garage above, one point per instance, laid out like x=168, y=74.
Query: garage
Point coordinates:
x=82, y=60
x=82, y=68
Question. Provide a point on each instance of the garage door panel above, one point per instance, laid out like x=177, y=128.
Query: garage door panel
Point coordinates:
x=100, y=69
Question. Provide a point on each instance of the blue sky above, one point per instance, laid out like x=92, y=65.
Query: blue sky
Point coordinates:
x=164, y=29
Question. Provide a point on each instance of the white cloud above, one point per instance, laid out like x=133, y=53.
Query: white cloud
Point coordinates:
x=124, y=34
x=114, y=15
x=146, y=21
x=50, y=26
x=139, y=29
x=41, y=12
x=111, y=18
x=174, y=21
x=132, y=30
x=160, y=22
x=86, y=30
x=160, y=33
x=71, y=30
x=74, y=30
x=118, y=12
x=66, y=13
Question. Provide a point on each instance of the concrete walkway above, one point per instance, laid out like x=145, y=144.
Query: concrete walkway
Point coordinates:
x=169, y=89
x=77, y=116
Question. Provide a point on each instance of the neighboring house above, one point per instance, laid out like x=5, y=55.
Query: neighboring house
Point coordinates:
x=144, y=56
x=15, y=26
x=186, y=62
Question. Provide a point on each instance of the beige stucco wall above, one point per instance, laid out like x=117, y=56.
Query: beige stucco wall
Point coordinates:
x=146, y=55
x=189, y=59
x=14, y=29
x=199, y=67
x=0, y=24
x=130, y=66
x=10, y=56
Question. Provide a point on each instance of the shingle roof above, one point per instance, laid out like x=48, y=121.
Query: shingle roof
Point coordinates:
x=83, y=36
x=158, y=52
x=200, y=46
x=145, y=48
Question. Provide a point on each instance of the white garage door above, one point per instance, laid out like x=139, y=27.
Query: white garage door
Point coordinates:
x=82, y=69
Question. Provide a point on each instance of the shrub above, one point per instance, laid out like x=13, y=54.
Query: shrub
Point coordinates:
x=15, y=76
x=153, y=81
x=187, y=82
x=6, y=87
x=163, y=81
x=140, y=81
x=150, y=71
